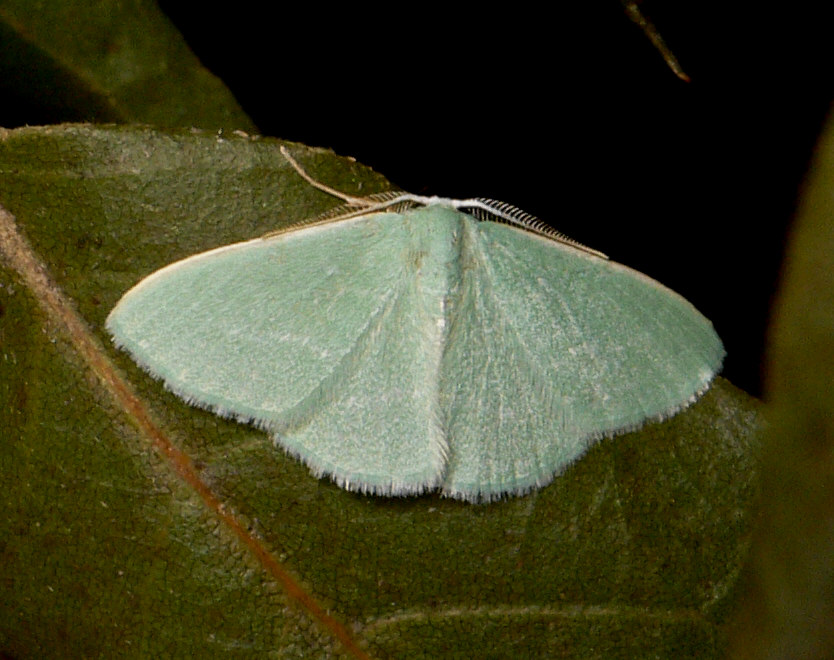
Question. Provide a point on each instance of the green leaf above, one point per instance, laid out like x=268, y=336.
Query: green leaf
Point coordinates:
x=105, y=61
x=134, y=524
x=789, y=590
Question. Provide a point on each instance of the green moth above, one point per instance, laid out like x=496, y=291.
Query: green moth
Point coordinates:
x=421, y=344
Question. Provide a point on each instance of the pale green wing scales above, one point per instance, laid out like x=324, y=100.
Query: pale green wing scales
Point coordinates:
x=319, y=335
x=552, y=348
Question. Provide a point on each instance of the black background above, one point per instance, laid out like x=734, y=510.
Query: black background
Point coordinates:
x=567, y=112
x=572, y=115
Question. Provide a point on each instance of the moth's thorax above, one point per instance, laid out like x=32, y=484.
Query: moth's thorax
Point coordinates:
x=438, y=238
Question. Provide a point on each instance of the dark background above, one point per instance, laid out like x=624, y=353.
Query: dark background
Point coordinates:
x=572, y=116
x=566, y=111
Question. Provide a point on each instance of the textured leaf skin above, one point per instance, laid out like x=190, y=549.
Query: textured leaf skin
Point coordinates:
x=635, y=550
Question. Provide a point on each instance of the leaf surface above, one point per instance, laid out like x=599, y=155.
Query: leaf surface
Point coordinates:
x=102, y=61
x=788, y=602
x=136, y=524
